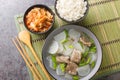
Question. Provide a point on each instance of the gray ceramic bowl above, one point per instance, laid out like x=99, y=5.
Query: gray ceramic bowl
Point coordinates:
x=78, y=28
x=78, y=20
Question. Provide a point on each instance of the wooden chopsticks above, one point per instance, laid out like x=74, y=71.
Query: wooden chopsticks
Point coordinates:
x=27, y=59
x=40, y=63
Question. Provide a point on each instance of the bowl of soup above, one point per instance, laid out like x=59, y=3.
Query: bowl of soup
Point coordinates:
x=72, y=52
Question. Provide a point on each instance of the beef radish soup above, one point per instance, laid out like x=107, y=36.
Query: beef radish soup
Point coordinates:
x=72, y=54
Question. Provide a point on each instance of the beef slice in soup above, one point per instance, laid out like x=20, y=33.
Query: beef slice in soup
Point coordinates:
x=71, y=68
x=62, y=59
x=85, y=40
x=76, y=56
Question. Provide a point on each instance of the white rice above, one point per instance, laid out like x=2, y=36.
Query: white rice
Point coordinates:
x=71, y=10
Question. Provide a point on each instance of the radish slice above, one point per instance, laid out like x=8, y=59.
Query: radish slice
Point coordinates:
x=75, y=35
x=93, y=57
x=68, y=44
x=59, y=71
x=68, y=48
x=67, y=52
x=50, y=62
x=78, y=46
x=68, y=76
x=85, y=48
x=60, y=49
x=84, y=70
x=60, y=37
x=53, y=47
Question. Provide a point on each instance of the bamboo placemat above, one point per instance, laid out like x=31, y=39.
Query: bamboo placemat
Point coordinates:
x=103, y=20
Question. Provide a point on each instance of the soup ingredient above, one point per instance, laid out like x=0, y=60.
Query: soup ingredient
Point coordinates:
x=71, y=68
x=78, y=46
x=62, y=59
x=84, y=70
x=93, y=49
x=71, y=10
x=54, y=61
x=67, y=52
x=85, y=61
x=39, y=19
x=60, y=49
x=85, y=41
x=59, y=70
x=93, y=57
x=62, y=66
x=76, y=56
x=51, y=63
x=74, y=35
x=61, y=37
x=53, y=48
x=68, y=76
x=88, y=60
x=85, y=53
x=68, y=47
x=71, y=57
x=75, y=77
x=92, y=64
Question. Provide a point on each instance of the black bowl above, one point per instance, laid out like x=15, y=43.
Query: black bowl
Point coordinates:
x=45, y=53
x=39, y=6
x=78, y=20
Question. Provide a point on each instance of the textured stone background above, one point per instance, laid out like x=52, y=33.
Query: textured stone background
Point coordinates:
x=12, y=66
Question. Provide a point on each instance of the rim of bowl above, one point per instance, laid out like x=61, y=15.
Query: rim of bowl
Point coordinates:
x=78, y=20
x=43, y=6
x=89, y=33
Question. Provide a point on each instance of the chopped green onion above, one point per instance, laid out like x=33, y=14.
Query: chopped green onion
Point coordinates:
x=93, y=64
x=64, y=47
x=81, y=44
x=75, y=78
x=66, y=32
x=64, y=41
x=71, y=46
x=92, y=48
x=82, y=64
x=88, y=60
x=84, y=61
x=92, y=41
x=62, y=66
x=54, y=61
x=85, y=54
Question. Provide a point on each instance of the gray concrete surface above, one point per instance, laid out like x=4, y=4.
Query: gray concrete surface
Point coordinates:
x=12, y=66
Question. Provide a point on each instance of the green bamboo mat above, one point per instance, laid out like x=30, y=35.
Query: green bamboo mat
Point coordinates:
x=103, y=20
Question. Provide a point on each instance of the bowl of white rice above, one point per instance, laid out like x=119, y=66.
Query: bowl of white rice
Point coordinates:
x=71, y=11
